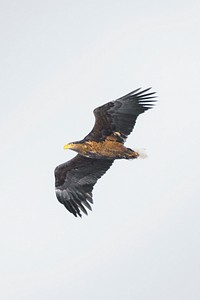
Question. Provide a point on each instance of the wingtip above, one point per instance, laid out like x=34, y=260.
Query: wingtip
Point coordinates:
x=139, y=92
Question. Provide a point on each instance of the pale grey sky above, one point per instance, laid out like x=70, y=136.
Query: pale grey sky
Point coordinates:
x=60, y=60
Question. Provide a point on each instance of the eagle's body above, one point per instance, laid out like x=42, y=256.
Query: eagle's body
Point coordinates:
x=97, y=151
x=108, y=149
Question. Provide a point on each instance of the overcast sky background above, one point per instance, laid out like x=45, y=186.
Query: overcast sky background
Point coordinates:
x=60, y=60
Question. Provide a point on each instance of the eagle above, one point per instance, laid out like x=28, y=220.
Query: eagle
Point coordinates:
x=114, y=121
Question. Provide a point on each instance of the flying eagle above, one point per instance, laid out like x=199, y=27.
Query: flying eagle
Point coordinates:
x=114, y=121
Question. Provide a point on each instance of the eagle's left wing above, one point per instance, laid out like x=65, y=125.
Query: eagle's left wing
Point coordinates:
x=75, y=180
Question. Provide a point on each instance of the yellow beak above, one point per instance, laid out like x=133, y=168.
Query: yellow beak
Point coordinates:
x=67, y=146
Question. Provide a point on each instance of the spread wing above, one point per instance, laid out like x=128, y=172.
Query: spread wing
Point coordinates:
x=117, y=118
x=75, y=180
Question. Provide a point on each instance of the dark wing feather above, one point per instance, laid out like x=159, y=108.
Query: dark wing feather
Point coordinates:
x=75, y=180
x=118, y=117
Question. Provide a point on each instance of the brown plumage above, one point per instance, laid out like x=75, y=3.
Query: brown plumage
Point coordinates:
x=114, y=121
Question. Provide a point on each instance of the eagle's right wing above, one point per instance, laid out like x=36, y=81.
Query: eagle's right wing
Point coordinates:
x=117, y=118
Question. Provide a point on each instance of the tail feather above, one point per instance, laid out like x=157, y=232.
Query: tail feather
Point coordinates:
x=142, y=153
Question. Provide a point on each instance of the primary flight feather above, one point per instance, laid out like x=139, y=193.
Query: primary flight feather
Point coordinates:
x=114, y=121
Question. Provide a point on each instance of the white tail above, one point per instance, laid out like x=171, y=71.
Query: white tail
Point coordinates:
x=141, y=152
